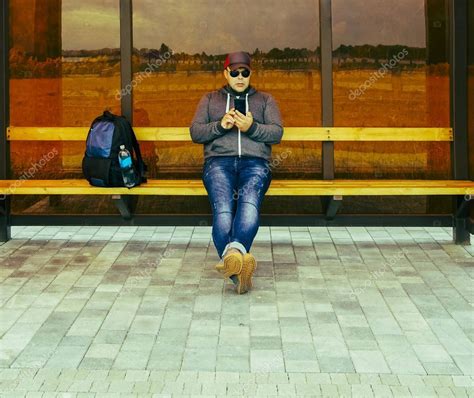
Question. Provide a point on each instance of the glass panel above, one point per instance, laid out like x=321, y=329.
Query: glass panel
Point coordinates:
x=64, y=61
x=64, y=71
x=391, y=69
x=181, y=58
x=391, y=63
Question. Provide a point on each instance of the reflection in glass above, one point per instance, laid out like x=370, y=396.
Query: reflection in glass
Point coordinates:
x=64, y=71
x=391, y=63
x=391, y=69
x=65, y=59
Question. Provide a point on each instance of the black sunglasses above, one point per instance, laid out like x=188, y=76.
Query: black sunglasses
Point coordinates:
x=235, y=73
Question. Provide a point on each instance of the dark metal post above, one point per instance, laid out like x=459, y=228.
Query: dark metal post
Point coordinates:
x=5, y=220
x=325, y=37
x=470, y=99
x=330, y=204
x=126, y=52
x=458, y=12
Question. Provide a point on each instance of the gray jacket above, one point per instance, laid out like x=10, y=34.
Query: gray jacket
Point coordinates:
x=265, y=131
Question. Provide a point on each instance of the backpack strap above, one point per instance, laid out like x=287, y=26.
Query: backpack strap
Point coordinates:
x=109, y=115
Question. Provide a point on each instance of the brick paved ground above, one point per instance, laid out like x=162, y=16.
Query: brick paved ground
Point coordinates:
x=106, y=312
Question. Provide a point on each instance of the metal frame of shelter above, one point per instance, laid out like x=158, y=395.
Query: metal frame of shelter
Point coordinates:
x=458, y=45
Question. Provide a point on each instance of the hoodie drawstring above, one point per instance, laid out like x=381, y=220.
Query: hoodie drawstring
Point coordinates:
x=227, y=108
x=246, y=110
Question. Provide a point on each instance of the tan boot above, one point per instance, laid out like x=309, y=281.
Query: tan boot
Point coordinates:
x=245, y=277
x=232, y=264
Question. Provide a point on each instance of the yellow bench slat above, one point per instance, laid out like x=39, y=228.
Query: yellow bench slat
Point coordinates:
x=291, y=134
x=277, y=188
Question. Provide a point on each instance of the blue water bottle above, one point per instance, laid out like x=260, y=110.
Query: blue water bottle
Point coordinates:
x=126, y=166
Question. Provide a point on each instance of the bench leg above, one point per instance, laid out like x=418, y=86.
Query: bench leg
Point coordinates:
x=5, y=221
x=126, y=205
x=461, y=233
x=331, y=206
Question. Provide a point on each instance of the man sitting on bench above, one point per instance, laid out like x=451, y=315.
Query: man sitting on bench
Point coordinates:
x=237, y=155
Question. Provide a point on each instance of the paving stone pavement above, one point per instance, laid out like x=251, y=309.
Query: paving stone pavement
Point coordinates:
x=140, y=311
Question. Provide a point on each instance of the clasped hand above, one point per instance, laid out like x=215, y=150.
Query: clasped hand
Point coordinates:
x=235, y=118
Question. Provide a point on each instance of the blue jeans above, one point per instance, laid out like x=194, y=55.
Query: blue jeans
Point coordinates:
x=236, y=188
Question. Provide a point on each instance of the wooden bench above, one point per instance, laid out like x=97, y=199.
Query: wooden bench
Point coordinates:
x=335, y=189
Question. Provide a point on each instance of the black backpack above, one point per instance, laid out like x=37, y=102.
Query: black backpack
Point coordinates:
x=100, y=164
